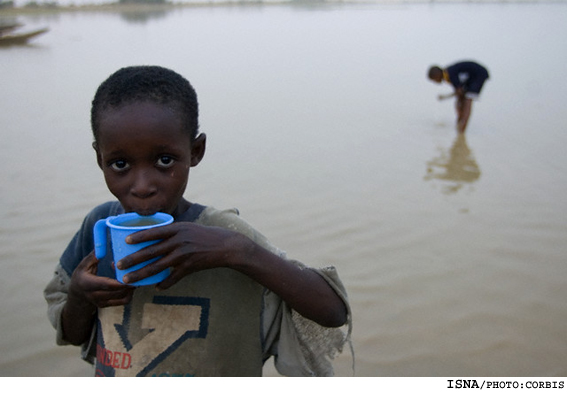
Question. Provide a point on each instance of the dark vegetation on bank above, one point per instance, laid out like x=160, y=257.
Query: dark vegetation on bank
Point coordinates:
x=8, y=7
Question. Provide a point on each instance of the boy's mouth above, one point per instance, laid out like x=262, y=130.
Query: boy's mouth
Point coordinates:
x=144, y=211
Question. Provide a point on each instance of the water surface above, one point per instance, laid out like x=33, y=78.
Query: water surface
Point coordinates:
x=325, y=133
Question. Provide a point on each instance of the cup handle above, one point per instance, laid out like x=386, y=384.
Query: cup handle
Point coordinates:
x=99, y=233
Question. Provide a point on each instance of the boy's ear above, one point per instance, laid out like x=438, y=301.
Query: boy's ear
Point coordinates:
x=98, y=157
x=198, y=147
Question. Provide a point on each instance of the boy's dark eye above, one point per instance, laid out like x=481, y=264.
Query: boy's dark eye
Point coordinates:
x=165, y=161
x=119, y=165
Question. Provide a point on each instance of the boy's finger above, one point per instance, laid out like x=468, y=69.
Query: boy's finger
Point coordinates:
x=145, y=254
x=96, y=283
x=169, y=281
x=157, y=233
x=89, y=263
x=145, y=272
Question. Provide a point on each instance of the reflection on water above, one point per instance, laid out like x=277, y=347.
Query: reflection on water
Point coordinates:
x=455, y=166
x=143, y=16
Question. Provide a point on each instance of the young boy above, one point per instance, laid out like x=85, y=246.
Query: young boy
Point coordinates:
x=232, y=300
x=467, y=78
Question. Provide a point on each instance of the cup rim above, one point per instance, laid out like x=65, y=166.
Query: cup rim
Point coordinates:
x=164, y=217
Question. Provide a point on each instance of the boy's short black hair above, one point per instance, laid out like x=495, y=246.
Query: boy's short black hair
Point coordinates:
x=147, y=83
x=434, y=72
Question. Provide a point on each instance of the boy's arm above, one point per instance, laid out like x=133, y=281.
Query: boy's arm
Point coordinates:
x=458, y=92
x=442, y=97
x=301, y=288
x=188, y=248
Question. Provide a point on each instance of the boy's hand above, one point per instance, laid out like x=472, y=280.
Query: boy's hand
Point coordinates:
x=88, y=291
x=442, y=97
x=100, y=292
x=185, y=248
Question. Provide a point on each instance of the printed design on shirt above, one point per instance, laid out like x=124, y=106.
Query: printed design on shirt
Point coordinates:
x=136, y=343
x=463, y=77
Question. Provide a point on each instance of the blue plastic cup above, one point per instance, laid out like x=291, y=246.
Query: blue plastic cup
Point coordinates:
x=120, y=227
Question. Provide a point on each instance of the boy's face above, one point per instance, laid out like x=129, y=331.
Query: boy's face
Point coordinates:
x=145, y=155
x=436, y=75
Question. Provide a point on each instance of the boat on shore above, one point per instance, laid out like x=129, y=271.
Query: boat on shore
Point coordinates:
x=8, y=37
x=7, y=28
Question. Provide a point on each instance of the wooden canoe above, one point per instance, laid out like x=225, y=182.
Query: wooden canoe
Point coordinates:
x=15, y=39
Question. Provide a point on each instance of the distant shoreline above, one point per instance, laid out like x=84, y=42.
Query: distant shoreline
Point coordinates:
x=125, y=7
x=36, y=9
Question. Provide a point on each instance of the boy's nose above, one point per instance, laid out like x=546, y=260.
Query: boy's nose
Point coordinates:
x=143, y=186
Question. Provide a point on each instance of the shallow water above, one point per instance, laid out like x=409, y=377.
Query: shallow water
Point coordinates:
x=325, y=133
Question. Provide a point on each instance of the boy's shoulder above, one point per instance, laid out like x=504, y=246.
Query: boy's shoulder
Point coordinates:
x=104, y=210
x=210, y=214
x=230, y=219
x=205, y=215
x=224, y=218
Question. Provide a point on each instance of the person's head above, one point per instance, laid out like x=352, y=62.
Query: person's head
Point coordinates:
x=145, y=126
x=435, y=74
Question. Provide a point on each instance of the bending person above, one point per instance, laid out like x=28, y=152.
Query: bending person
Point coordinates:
x=467, y=78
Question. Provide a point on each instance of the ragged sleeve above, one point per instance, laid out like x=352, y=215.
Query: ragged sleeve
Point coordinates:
x=301, y=347
x=55, y=294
